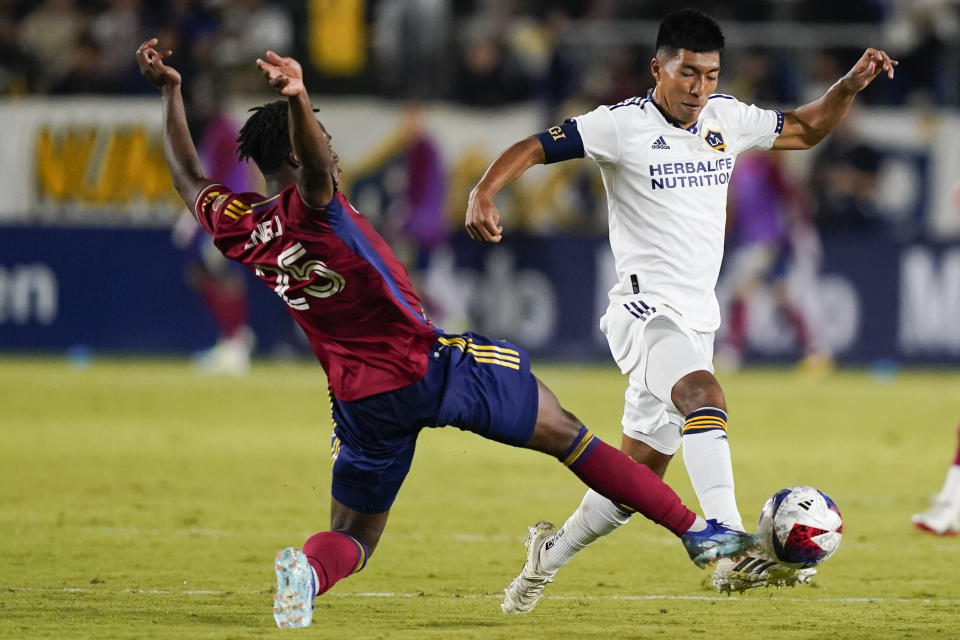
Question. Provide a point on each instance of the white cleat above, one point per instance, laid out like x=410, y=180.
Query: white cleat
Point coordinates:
x=942, y=518
x=524, y=592
x=293, y=602
x=754, y=571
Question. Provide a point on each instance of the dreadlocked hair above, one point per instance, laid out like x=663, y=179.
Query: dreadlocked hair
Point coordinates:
x=265, y=137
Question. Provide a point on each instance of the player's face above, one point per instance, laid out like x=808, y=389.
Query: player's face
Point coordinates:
x=685, y=82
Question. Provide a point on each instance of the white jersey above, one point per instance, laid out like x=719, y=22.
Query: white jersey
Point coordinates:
x=667, y=194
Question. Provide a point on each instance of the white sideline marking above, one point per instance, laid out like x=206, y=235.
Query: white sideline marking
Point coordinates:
x=479, y=596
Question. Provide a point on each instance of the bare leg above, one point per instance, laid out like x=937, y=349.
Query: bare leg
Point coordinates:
x=346, y=547
x=610, y=472
x=596, y=516
x=366, y=527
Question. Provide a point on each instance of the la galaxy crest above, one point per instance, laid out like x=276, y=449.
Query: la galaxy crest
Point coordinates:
x=715, y=140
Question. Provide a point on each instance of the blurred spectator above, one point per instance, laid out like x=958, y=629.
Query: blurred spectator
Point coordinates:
x=487, y=76
x=500, y=51
x=928, y=34
x=188, y=18
x=824, y=69
x=83, y=76
x=846, y=11
x=51, y=33
x=191, y=32
x=763, y=77
x=843, y=180
x=206, y=92
x=220, y=283
x=765, y=218
x=118, y=31
x=560, y=80
x=419, y=210
x=621, y=74
x=249, y=28
x=411, y=47
x=19, y=70
x=407, y=182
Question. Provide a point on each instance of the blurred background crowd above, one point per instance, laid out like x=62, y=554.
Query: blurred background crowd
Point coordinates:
x=428, y=91
x=479, y=52
x=563, y=57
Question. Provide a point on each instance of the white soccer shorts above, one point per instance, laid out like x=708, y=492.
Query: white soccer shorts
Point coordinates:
x=632, y=324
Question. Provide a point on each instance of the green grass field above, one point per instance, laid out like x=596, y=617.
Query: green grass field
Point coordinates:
x=139, y=500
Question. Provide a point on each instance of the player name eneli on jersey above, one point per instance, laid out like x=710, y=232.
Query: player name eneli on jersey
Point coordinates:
x=337, y=276
x=265, y=232
x=673, y=175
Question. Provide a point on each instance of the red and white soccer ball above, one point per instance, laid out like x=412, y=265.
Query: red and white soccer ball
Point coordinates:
x=800, y=526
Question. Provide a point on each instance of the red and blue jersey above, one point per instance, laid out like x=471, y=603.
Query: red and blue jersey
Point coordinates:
x=339, y=279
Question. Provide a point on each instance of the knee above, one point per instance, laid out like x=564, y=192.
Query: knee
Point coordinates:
x=696, y=390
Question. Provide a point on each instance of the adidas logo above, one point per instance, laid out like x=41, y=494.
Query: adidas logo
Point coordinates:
x=660, y=143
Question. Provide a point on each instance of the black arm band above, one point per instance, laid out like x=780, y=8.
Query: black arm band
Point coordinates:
x=561, y=142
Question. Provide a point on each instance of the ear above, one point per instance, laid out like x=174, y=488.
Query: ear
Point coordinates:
x=293, y=161
x=655, y=68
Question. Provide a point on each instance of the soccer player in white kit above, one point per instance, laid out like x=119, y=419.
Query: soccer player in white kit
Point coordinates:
x=666, y=160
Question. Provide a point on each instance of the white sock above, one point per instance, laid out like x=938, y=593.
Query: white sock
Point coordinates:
x=595, y=517
x=951, y=486
x=699, y=524
x=707, y=457
x=316, y=580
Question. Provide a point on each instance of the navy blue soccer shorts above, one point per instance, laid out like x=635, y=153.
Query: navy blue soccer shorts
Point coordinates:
x=473, y=383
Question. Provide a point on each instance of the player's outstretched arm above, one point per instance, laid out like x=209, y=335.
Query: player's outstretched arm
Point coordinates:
x=483, y=219
x=809, y=124
x=178, y=147
x=311, y=143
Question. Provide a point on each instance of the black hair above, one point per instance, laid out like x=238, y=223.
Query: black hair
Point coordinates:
x=689, y=29
x=265, y=137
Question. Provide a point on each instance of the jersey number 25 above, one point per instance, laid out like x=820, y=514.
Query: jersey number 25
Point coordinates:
x=324, y=282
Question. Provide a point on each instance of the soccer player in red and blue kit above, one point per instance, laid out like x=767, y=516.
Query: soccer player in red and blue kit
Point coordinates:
x=391, y=372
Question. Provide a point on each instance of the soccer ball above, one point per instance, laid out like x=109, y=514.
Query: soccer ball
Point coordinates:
x=800, y=526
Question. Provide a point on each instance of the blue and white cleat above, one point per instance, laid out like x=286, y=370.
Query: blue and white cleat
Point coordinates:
x=293, y=603
x=716, y=541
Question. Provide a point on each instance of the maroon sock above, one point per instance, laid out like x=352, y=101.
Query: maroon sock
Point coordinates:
x=956, y=459
x=334, y=556
x=799, y=325
x=614, y=475
x=737, y=325
x=227, y=304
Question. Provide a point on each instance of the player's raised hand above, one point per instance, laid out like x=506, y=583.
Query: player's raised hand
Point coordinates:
x=483, y=219
x=150, y=61
x=871, y=64
x=285, y=75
